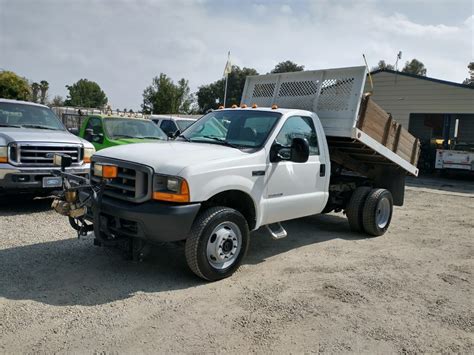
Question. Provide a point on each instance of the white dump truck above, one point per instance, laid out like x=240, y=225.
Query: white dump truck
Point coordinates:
x=299, y=144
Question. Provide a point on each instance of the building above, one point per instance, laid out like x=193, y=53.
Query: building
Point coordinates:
x=427, y=107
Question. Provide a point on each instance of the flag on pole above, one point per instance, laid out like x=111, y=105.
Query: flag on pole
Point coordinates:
x=228, y=66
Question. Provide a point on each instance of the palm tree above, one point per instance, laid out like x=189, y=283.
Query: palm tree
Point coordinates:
x=44, y=86
x=35, y=87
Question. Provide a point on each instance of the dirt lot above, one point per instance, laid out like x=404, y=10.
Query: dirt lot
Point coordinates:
x=320, y=289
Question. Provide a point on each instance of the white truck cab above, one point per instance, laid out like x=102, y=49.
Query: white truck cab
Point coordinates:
x=238, y=169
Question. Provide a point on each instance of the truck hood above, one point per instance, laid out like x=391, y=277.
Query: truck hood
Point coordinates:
x=13, y=134
x=171, y=157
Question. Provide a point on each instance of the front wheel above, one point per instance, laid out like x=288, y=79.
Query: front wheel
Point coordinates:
x=218, y=242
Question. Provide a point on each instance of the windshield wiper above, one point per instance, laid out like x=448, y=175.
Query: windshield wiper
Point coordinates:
x=9, y=125
x=124, y=136
x=151, y=137
x=38, y=126
x=222, y=141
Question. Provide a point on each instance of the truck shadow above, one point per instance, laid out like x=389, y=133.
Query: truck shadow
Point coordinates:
x=22, y=204
x=74, y=272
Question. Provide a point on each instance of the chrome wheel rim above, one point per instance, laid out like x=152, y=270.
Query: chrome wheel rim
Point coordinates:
x=223, y=245
x=382, y=213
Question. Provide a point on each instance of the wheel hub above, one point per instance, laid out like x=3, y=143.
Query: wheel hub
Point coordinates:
x=224, y=245
x=382, y=212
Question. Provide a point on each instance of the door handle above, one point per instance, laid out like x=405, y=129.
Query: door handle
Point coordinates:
x=322, y=170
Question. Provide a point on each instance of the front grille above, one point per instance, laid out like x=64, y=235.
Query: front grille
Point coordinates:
x=42, y=154
x=133, y=182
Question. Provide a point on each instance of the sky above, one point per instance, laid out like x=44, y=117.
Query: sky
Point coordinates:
x=123, y=44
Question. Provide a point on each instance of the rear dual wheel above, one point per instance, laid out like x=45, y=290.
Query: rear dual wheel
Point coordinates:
x=370, y=210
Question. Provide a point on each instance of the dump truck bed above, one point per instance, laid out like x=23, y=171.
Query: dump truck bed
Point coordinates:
x=360, y=134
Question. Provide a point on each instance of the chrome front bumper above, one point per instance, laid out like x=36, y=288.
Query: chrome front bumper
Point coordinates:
x=22, y=178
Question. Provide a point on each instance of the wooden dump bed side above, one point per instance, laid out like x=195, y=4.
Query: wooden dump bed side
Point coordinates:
x=377, y=140
x=380, y=125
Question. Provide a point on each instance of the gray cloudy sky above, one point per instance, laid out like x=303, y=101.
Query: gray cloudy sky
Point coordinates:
x=122, y=44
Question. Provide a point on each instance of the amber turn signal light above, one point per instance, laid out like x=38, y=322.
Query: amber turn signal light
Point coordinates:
x=105, y=171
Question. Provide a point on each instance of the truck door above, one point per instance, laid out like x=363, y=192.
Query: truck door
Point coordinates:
x=296, y=189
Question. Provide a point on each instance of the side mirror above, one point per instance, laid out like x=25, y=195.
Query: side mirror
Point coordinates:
x=98, y=138
x=173, y=135
x=299, y=150
x=89, y=133
x=74, y=131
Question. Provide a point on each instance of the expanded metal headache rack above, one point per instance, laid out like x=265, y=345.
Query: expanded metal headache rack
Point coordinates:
x=360, y=133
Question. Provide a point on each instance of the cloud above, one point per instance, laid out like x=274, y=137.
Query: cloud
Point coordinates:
x=124, y=43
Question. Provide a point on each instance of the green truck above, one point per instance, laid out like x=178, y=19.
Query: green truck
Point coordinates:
x=105, y=131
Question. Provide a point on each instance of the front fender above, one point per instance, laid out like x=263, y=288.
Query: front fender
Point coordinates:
x=204, y=188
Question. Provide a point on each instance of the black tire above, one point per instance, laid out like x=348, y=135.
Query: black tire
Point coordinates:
x=372, y=211
x=201, y=232
x=355, y=207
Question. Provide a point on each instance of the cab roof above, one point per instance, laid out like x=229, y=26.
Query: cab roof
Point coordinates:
x=101, y=115
x=22, y=102
x=283, y=111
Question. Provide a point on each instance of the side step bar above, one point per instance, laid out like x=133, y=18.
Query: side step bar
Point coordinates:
x=276, y=230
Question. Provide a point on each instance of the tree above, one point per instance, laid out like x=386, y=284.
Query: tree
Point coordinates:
x=164, y=96
x=57, y=101
x=35, y=87
x=85, y=93
x=414, y=67
x=13, y=86
x=470, y=80
x=286, y=67
x=43, y=86
x=382, y=66
x=208, y=94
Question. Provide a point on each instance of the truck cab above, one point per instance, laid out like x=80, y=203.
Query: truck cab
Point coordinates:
x=105, y=131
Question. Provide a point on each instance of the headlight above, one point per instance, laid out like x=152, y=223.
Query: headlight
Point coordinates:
x=105, y=171
x=170, y=188
x=3, y=155
x=88, y=154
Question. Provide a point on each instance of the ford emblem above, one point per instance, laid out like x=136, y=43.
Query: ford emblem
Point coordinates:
x=49, y=155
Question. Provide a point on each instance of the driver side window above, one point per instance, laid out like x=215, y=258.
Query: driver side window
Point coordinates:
x=94, y=124
x=301, y=127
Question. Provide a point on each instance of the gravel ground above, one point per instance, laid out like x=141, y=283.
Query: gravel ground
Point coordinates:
x=322, y=288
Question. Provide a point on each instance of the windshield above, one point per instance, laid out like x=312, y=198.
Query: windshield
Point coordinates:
x=183, y=124
x=28, y=116
x=240, y=128
x=132, y=128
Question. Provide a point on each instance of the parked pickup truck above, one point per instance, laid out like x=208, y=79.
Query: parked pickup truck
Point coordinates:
x=30, y=135
x=237, y=169
x=105, y=131
x=172, y=125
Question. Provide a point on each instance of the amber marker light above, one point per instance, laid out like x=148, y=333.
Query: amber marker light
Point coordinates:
x=254, y=106
x=3, y=154
x=105, y=171
x=182, y=196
